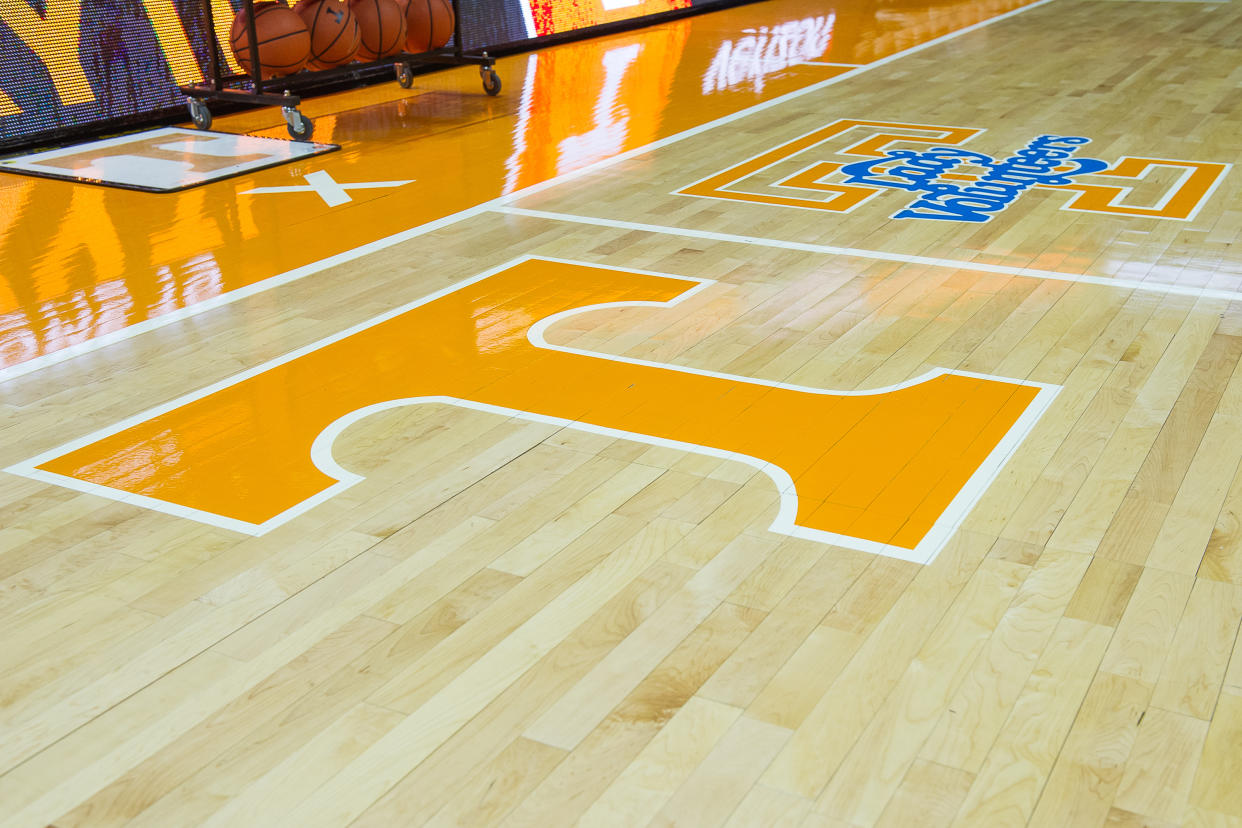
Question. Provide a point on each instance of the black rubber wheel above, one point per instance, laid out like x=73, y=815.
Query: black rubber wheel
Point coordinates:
x=405, y=77
x=199, y=113
x=491, y=82
x=301, y=128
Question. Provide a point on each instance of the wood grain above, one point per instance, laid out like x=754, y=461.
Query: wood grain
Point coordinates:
x=532, y=625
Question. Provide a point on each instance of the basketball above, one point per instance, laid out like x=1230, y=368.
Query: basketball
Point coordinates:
x=429, y=25
x=403, y=6
x=334, y=35
x=382, y=27
x=284, y=42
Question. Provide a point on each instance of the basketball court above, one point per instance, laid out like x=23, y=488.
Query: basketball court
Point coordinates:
x=789, y=415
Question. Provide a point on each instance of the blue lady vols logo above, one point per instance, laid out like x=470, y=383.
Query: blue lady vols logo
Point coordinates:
x=1042, y=161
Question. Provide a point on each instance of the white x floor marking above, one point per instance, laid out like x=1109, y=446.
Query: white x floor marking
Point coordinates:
x=326, y=186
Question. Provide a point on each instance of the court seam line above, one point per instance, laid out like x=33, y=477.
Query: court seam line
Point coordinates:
x=374, y=246
x=880, y=255
x=785, y=521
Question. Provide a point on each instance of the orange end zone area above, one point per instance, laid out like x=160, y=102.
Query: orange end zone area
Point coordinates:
x=82, y=262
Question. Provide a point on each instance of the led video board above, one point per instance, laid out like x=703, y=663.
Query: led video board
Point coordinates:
x=73, y=63
x=494, y=22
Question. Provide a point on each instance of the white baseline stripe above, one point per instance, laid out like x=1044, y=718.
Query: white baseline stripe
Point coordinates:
x=830, y=250
x=285, y=278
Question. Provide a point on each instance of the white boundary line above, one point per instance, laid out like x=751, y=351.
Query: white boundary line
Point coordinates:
x=830, y=250
x=783, y=523
x=38, y=363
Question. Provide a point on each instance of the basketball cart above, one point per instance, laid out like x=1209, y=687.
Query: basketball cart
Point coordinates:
x=254, y=90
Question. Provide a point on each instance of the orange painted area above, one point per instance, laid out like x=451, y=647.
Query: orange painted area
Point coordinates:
x=1181, y=204
x=80, y=262
x=847, y=196
x=881, y=467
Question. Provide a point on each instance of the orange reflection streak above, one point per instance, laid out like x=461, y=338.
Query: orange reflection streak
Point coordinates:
x=606, y=122
x=881, y=466
x=66, y=282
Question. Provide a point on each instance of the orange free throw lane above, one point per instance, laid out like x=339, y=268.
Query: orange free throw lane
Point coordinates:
x=881, y=467
x=80, y=262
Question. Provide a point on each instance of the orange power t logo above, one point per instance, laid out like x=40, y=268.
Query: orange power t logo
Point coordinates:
x=889, y=470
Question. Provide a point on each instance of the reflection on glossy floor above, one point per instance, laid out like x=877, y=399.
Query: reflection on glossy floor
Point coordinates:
x=586, y=480
x=117, y=258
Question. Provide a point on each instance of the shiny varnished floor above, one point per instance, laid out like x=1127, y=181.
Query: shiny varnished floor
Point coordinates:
x=117, y=259
x=551, y=573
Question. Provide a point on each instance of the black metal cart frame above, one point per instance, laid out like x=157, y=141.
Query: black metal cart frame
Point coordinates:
x=253, y=89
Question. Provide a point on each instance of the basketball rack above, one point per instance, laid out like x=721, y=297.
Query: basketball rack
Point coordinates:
x=254, y=90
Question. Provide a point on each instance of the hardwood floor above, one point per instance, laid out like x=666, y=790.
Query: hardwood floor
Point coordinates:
x=484, y=606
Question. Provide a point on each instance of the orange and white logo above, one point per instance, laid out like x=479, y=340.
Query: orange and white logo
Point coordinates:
x=888, y=470
x=803, y=173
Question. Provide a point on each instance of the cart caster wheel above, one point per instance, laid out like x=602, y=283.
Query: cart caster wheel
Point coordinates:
x=491, y=81
x=199, y=113
x=300, y=127
x=405, y=76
